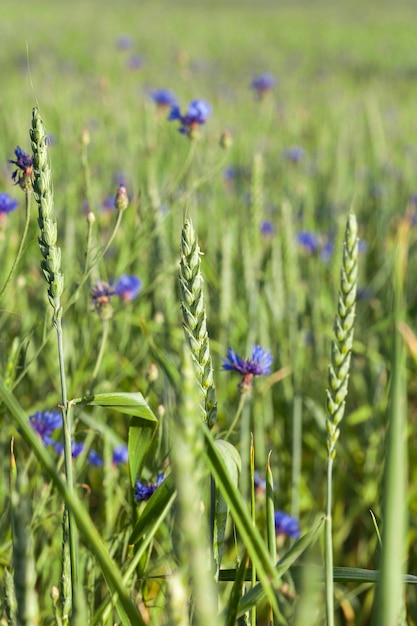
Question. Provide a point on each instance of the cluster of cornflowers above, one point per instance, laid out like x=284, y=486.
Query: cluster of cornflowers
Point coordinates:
x=127, y=288
x=197, y=113
x=47, y=423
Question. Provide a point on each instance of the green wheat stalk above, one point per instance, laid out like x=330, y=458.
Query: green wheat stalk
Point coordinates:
x=24, y=572
x=51, y=268
x=338, y=377
x=195, y=320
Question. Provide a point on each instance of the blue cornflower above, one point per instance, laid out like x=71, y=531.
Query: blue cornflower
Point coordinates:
x=262, y=84
x=7, y=204
x=24, y=167
x=294, y=154
x=76, y=448
x=163, y=98
x=101, y=293
x=135, y=62
x=120, y=454
x=259, y=482
x=267, y=228
x=309, y=241
x=94, y=458
x=124, y=42
x=286, y=525
x=326, y=251
x=258, y=365
x=45, y=423
x=128, y=287
x=144, y=491
x=197, y=113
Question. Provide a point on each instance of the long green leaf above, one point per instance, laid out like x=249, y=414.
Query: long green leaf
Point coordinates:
x=142, y=426
x=251, y=538
x=258, y=592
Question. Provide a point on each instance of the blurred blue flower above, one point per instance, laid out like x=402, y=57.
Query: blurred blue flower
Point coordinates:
x=258, y=365
x=120, y=454
x=263, y=83
x=135, y=62
x=144, y=491
x=197, y=113
x=294, y=154
x=45, y=423
x=128, y=287
x=267, y=228
x=308, y=240
x=326, y=251
x=94, y=459
x=76, y=448
x=286, y=525
x=259, y=482
x=163, y=98
x=101, y=293
x=7, y=204
x=124, y=42
x=24, y=168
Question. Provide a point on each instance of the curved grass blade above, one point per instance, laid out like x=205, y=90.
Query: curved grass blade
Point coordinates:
x=231, y=458
x=142, y=427
x=252, y=540
x=258, y=592
x=157, y=506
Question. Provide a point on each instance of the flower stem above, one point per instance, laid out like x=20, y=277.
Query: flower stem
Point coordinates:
x=103, y=344
x=241, y=404
x=21, y=244
x=328, y=542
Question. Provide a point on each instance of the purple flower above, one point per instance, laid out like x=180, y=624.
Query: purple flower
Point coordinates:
x=144, y=491
x=309, y=241
x=135, y=62
x=197, y=113
x=128, y=287
x=24, y=167
x=286, y=525
x=76, y=448
x=263, y=83
x=163, y=98
x=267, y=228
x=326, y=251
x=7, y=204
x=94, y=459
x=45, y=423
x=258, y=365
x=294, y=154
x=120, y=454
x=101, y=293
x=124, y=42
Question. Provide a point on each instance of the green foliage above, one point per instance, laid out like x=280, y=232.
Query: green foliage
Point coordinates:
x=345, y=92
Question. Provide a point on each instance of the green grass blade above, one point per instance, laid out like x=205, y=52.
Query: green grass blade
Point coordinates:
x=142, y=427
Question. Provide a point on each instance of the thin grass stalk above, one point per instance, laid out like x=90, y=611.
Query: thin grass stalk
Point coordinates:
x=28, y=194
x=195, y=320
x=297, y=433
x=338, y=378
x=51, y=268
x=389, y=603
x=253, y=511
